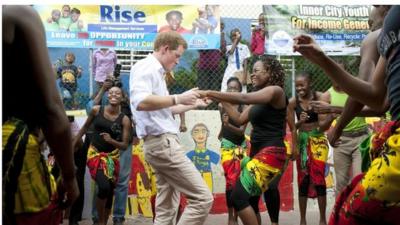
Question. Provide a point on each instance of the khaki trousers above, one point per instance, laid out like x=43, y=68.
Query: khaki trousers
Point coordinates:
x=176, y=174
x=345, y=157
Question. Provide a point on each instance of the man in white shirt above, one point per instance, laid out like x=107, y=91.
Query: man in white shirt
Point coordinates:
x=153, y=108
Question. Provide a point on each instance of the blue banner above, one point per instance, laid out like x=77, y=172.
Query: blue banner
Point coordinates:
x=129, y=27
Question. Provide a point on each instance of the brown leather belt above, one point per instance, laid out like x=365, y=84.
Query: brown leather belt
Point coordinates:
x=151, y=137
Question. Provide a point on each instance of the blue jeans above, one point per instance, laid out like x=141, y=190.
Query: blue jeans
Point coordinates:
x=68, y=97
x=121, y=188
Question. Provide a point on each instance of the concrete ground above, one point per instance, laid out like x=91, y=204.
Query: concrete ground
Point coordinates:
x=286, y=218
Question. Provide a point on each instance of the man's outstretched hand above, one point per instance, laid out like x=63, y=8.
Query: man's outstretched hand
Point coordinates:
x=188, y=97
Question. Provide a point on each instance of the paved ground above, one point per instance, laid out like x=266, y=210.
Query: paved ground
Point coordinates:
x=286, y=218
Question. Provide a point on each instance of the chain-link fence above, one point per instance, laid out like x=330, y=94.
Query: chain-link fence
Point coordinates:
x=210, y=77
x=205, y=69
x=320, y=82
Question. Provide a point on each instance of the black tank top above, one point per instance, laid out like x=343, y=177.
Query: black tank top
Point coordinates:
x=313, y=116
x=103, y=125
x=269, y=127
x=389, y=40
x=231, y=136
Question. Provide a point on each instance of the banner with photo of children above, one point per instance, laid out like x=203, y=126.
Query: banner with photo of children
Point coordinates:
x=338, y=29
x=129, y=26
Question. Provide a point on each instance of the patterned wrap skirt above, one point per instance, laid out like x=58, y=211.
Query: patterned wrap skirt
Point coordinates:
x=257, y=172
x=374, y=196
x=231, y=156
x=108, y=162
x=313, y=154
x=29, y=190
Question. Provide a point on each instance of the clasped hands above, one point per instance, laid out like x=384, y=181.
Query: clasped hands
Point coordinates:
x=194, y=97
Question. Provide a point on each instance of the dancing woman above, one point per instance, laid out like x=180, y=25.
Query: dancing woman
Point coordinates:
x=310, y=145
x=111, y=133
x=268, y=150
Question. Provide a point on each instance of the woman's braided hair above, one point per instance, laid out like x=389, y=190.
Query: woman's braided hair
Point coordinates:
x=275, y=69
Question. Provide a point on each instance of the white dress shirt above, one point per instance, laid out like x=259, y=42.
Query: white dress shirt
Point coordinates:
x=147, y=77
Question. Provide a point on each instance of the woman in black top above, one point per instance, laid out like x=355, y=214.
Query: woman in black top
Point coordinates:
x=111, y=130
x=233, y=148
x=267, y=114
x=373, y=197
x=309, y=144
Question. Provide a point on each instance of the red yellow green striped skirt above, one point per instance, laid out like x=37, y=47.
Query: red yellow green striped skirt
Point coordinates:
x=231, y=155
x=29, y=190
x=313, y=154
x=257, y=172
x=35, y=187
x=374, y=197
x=108, y=162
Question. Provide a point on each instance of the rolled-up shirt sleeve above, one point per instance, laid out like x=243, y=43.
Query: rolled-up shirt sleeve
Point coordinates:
x=140, y=88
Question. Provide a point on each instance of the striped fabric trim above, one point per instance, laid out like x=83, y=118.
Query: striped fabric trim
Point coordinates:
x=15, y=138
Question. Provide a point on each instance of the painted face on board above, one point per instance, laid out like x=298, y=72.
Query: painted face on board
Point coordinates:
x=200, y=134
